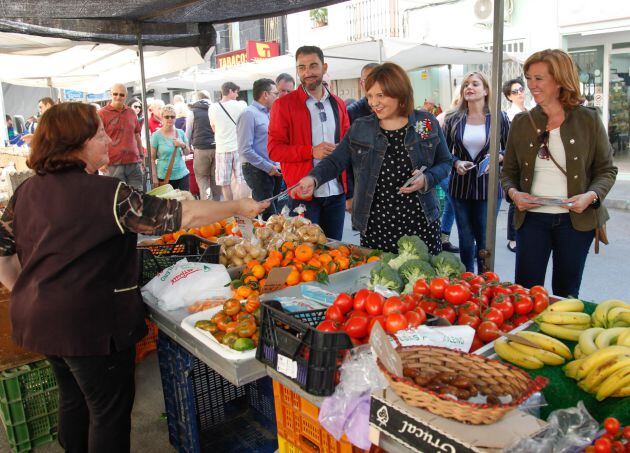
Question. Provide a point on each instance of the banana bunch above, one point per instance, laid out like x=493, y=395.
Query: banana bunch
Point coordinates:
x=564, y=319
x=605, y=372
x=548, y=351
x=611, y=313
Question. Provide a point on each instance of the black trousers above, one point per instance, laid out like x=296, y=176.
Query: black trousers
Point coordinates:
x=96, y=396
x=263, y=186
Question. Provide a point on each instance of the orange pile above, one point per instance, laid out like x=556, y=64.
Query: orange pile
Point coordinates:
x=306, y=262
x=210, y=232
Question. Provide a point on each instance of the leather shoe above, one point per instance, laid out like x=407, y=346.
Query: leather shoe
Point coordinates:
x=448, y=247
x=511, y=248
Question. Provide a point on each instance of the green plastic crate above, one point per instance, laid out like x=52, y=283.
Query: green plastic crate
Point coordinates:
x=31, y=444
x=37, y=431
x=22, y=382
x=37, y=405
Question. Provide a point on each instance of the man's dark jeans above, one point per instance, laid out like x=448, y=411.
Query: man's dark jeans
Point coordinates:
x=263, y=186
x=328, y=212
x=539, y=236
x=96, y=396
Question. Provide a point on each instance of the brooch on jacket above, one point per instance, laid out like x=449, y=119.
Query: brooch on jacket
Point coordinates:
x=424, y=128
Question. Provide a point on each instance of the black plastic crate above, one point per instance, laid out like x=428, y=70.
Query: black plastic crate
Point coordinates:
x=153, y=259
x=205, y=412
x=294, y=335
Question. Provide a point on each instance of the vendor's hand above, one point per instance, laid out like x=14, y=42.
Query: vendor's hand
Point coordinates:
x=349, y=205
x=275, y=171
x=523, y=200
x=305, y=188
x=323, y=149
x=416, y=185
x=249, y=208
x=463, y=166
x=580, y=202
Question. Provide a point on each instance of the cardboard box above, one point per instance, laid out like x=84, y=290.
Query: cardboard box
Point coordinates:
x=421, y=431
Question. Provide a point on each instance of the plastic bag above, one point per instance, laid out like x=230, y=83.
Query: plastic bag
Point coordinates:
x=348, y=409
x=184, y=283
x=568, y=430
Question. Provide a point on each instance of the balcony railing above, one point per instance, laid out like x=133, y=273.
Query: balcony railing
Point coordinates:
x=372, y=19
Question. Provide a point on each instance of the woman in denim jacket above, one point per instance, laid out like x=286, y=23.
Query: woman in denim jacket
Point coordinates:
x=385, y=149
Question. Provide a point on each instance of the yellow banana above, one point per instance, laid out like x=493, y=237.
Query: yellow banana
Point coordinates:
x=597, y=358
x=567, y=305
x=617, y=314
x=546, y=357
x=577, y=352
x=624, y=338
x=547, y=343
x=622, y=393
x=509, y=354
x=557, y=331
x=576, y=326
x=587, y=340
x=601, y=311
x=622, y=319
x=564, y=317
x=616, y=381
x=608, y=336
x=592, y=382
x=571, y=368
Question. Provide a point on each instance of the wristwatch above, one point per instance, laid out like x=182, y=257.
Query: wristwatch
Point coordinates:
x=595, y=203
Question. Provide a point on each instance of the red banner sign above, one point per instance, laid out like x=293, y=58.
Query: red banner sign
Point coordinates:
x=255, y=50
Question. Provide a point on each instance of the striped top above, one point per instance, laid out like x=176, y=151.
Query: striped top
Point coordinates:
x=469, y=186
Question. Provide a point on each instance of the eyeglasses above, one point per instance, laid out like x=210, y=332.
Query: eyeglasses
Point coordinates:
x=322, y=113
x=139, y=107
x=543, y=151
x=518, y=90
x=122, y=95
x=168, y=117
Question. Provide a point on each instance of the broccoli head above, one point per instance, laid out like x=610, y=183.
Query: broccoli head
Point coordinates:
x=387, y=257
x=383, y=275
x=409, y=248
x=447, y=265
x=414, y=270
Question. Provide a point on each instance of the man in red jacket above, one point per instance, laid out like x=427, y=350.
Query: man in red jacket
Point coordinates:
x=305, y=127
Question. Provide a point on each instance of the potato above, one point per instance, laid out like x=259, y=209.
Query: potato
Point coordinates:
x=223, y=260
x=322, y=239
x=240, y=250
x=236, y=261
x=230, y=252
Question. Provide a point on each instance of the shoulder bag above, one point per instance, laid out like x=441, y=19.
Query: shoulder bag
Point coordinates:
x=226, y=112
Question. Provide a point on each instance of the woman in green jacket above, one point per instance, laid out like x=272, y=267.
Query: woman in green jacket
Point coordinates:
x=558, y=151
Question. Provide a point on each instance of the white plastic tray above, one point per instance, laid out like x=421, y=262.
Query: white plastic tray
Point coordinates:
x=207, y=339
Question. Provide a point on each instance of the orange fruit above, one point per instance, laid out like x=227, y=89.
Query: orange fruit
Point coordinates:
x=373, y=258
x=303, y=253
x=286, y=246
x=308, y=275
x=293, y=278
x=325, y=258
x=252, y=263
x=258, y=271
x=250, y=279
x=177, y=234
x=207, y=231
x=243, y=291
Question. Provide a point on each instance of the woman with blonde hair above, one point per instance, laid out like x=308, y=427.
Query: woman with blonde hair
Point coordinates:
x=467, y=130
x=164, y=142
x=558, y=168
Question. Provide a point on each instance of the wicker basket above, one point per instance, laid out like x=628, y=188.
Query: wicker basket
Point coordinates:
x=490, y=375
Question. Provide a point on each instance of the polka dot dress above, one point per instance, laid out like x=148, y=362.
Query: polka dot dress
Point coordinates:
x=393, y=215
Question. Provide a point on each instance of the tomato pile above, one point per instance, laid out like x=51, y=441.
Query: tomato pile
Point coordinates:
x=615, y=440
x=483, y=302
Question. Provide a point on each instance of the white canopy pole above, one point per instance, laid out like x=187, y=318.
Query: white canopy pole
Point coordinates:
x=495, y=136
x=143, y=85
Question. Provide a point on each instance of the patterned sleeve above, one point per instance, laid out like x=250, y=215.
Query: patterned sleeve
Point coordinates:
x=7, y=241
x=141, y=213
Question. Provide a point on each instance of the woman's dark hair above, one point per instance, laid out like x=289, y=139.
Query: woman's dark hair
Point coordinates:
x=395, y=83
x=61, y=133
x=507, y=87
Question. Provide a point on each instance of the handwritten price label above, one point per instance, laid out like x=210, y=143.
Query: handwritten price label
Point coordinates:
x=452, y=337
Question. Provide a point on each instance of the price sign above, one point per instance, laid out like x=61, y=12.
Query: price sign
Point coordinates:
x=452, y=337
x=246, y=226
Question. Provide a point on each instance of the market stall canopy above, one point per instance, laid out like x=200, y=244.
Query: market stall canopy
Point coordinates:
x=183, y=23
x=344, y=62
x=61, y=63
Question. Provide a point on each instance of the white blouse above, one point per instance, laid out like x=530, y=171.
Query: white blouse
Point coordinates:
x=548, y=180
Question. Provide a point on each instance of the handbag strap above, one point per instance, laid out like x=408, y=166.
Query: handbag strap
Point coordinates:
x=531, y=120
x=226, y=112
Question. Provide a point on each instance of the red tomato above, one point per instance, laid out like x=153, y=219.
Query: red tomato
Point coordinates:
x=409, y=303
x=467, y=319
x=456, y=294
x=523, y=304
x=603, y=445
x=490, y=277
x=374, y=304
x=334, y=314
x=506, y=327
x=423, y=315
x=328, y=326
x=538, y=290
x=626, y=433
x=504, y=305
x=355, y=313
x=494, y=315
x=541, y=302
x=502, y=290
x=437, y=286
x=476, y=343
x=470, y=308
x=396, y=322
x=380, y=319
x=520, y=320
x=345, y=302
x=414, y=318
x=482, y=300
x=446, y=312
x=357, y=327
x=488, y=331
x=518, y=289
x=421, y=287
x=618, y=446
x=467, y=275
x=611, y=425
x=360, y=297
x=392, y=305
x=429, y=306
